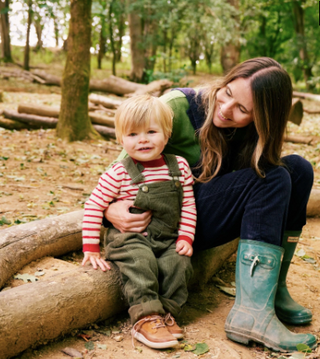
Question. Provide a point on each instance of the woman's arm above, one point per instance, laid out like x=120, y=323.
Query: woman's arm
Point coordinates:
x=118, y=213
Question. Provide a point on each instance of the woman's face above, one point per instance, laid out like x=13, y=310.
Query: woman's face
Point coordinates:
x=234, y=105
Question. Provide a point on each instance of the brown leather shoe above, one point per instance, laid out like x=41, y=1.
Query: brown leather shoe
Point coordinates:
x=151, y=331
x=173, y=327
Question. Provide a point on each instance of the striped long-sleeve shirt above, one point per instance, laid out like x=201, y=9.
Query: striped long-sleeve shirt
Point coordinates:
x=115, y=185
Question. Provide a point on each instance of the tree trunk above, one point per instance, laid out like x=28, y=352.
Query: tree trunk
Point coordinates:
x=136, y=47
x=298, y=12
x=27, y=47
x=103, y=35
x=38, y=26
x=5, y=32
x=74, y=123
x=230, y=53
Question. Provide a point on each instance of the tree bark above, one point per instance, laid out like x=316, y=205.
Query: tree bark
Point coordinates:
x=230, y=53
x=136, y=47
x=306, y=66
x=74, y=123
x=103, y=35
x=27, y=47
x=5, y=31
x=70, y=300
x=101, y=120
x=20, y=245
x=32, y=314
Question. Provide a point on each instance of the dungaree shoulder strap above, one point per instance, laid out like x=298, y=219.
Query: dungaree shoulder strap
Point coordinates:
x=134, y=170
x=172, y=163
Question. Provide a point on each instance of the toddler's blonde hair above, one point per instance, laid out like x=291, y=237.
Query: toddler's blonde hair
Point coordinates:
x=136, y=113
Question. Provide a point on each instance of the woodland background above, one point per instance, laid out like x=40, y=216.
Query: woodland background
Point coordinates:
x=65, y=62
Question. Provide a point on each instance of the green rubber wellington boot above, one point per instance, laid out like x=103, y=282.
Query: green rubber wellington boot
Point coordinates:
x=253, y=316
x=287, y=309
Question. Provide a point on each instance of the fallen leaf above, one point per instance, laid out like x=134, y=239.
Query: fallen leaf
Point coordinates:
x=26, y=277
x=303, y=348
x=189, y=348
x=201, y=348
x=89, y=345
x=118, y=338
x=228, y=290
x=72, y=352
x=102, y=346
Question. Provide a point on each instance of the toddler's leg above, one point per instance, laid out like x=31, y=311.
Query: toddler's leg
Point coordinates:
x=139, y=273
x=175, y=272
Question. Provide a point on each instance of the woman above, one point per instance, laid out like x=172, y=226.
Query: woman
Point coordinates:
x=231, y=133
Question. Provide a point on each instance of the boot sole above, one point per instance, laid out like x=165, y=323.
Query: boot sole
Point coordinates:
x=294, y=321
x=154, y=345
x=244, y=339
x=178, y=336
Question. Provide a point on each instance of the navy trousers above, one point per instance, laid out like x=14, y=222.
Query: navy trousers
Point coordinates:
x=241, y=204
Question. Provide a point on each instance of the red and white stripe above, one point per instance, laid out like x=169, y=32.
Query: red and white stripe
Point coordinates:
x=115, y=184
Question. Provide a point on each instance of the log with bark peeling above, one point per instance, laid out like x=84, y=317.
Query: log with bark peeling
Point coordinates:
x=33, y=120
x=37, y=312
x=309, y=96
x=22, y=121
x=105, y=101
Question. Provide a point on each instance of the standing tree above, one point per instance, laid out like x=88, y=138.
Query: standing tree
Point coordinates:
x=230, y=52
x=74, y=123
x=298, y=11
x=117, y=17
x=143, y=27
x=27, y=47
x=5, y=31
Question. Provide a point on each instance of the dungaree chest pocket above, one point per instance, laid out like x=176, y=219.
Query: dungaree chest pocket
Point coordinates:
x=163, y=199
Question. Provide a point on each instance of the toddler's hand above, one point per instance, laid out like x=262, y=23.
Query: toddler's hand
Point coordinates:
x=184, y=248
x=95, y=259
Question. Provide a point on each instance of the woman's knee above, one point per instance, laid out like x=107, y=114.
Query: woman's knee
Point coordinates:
x=299, y=169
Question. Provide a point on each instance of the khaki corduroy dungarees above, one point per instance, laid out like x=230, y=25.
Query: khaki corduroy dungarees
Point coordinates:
x=153, y=274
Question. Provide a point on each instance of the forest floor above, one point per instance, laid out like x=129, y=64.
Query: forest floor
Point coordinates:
x=42, y=176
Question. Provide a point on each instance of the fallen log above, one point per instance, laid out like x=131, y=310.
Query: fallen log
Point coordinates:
x=105, y=131
x=309, y=96
x=48, y=78
x=105, y=101
x=34, y=313
x=20, y=245
x=299, y=139
x=14, y=125
x=115, y=85
x=311, y=112
x=48, y=122
x=101, y=119
x=154, y=88
x=40, y=110
x=313, y=207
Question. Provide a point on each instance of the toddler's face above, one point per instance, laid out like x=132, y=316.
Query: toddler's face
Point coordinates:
x=145, y=144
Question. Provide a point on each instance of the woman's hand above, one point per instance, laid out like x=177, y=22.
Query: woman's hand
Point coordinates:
x=95, y=259
x=119, y=215
x=184, y=248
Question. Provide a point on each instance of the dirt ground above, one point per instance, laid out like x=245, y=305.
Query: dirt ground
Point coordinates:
x=42, y=176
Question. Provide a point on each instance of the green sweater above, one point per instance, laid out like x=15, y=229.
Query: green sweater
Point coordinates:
x=183, y=141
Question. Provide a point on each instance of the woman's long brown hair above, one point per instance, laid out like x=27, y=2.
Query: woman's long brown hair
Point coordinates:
x=272, y=98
